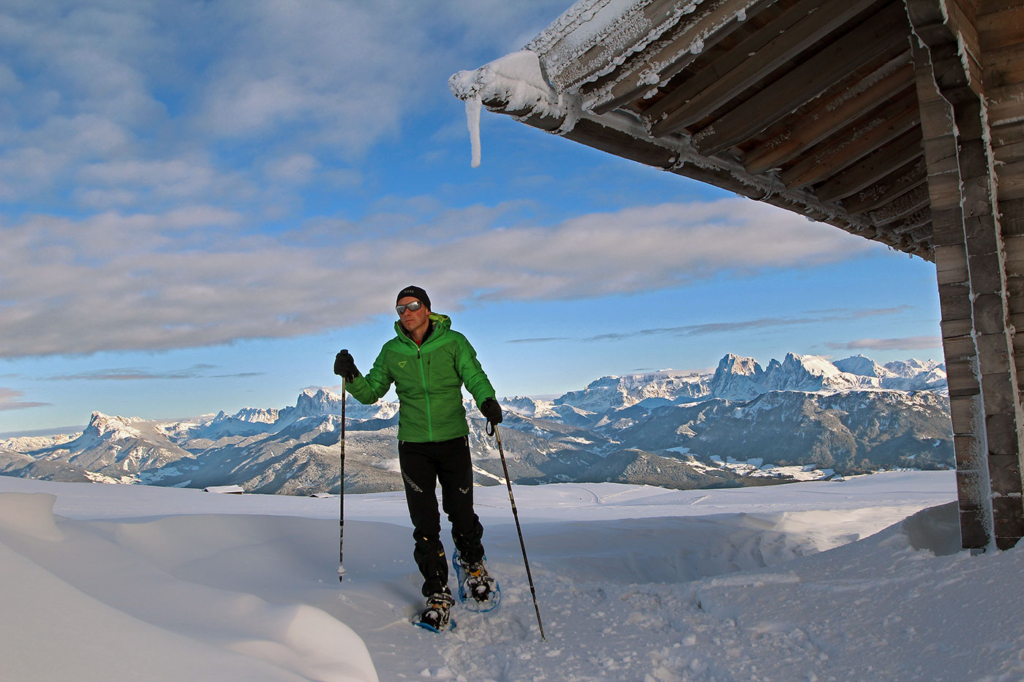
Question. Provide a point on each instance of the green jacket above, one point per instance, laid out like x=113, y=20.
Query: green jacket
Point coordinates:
x=428, y=380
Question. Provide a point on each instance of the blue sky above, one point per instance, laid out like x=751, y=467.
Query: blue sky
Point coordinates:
x=202, y=202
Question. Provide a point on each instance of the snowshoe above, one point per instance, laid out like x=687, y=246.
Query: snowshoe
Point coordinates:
x=478, y=590
x=437, y=616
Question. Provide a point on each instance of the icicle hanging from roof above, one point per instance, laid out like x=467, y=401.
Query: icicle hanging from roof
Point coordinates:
x=513, y=84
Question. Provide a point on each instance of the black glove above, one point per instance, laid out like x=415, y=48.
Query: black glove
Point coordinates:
x=345, y=366
x=491, y=410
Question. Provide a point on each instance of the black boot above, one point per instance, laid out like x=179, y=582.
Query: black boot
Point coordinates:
x=476, y=586
x=437, y=615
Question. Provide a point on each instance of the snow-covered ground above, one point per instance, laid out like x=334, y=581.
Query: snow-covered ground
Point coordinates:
x=807, y=581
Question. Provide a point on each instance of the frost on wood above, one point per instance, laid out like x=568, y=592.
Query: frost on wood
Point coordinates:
x=595, y=38
x=769, y=186
x=977, y=463
x=860, y=88
x=584, y=25
x=610, y=42
x=654, y=60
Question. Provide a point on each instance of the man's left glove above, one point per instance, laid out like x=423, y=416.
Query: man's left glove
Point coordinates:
x=345, y=366
x=491, y=410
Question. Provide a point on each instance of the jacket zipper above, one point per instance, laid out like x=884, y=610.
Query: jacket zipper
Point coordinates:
x=426, y=396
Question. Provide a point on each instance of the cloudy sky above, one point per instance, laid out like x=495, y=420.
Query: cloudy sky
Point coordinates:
x=200, y=203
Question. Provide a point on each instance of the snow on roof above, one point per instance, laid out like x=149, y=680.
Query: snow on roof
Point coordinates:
x=517, y=82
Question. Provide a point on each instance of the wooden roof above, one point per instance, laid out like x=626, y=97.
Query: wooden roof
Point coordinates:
x=811, y=105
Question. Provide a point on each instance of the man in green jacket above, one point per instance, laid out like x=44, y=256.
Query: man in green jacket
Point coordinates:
x=429, y=363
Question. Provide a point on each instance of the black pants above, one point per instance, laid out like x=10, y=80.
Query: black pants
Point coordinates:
x=423, y=465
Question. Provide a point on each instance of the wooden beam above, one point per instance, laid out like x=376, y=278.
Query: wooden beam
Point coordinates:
x=1008, y=152
x=585, y=63
x=963, y=20
x=1011, y=182
x=604, y=134
x=902, y=206
x=663, y=59
x=857, y=142
x=897, y=153
x=1006, y=105
x=1000, y=28
x=909, y=222
x=763, y=52
x=831, y=116
x=617, y=143
x=879, y=38
x=892, y=186
x=948, y=29
x=972, y=224
x=1004, y=67
x=1008, y=148
x=958, y=84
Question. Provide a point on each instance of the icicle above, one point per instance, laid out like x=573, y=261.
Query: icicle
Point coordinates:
x=473, y=105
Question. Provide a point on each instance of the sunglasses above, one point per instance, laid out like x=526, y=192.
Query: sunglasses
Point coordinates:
x=414, y=306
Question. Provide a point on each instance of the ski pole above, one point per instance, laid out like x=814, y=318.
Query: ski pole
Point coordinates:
x=492, y=430
x=341, y=491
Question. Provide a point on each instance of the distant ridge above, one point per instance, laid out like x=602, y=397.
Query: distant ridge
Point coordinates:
x=802, y=418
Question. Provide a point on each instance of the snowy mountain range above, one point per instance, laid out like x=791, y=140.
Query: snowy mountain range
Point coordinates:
x=802, y=418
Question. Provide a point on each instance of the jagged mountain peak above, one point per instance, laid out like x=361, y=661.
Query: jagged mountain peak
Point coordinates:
x=615, y=392
x=525, y=405
x=912, y=367
x=112, y=427
x=807, y=373
x=862, y=366
x=253, y=415
x=814, y=364
x=735, y=364
x=322, y=402
x=318, y=402
x=737, y=378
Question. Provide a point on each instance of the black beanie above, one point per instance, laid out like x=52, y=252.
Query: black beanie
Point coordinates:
x=414, y=292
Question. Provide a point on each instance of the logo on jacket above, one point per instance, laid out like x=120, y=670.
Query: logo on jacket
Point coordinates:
x=402, y=364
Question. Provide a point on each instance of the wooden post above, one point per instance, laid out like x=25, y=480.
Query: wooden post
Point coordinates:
x=979, y=268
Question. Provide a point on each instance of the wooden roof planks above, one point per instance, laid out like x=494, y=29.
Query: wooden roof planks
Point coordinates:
x=809, y=104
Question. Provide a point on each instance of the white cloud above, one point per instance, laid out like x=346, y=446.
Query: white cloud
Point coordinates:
x=183, y=126
x=88, y=135
x=9, y=81
x=182, y=179
x=342, y=177
x=92, y=56
x=296, y=169
x=11, y=400
x=194, y=277
x=905, y=343
x=119, y=103
x=105, y=198
x=23, y=170
x=342, y=72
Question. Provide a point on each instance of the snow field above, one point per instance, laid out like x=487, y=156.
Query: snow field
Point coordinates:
x=123, y=591
x=807, y=581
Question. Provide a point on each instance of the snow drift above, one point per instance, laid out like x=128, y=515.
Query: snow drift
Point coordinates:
x=805, y=581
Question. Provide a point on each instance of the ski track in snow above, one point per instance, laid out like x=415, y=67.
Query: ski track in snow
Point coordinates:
x=808, y=581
